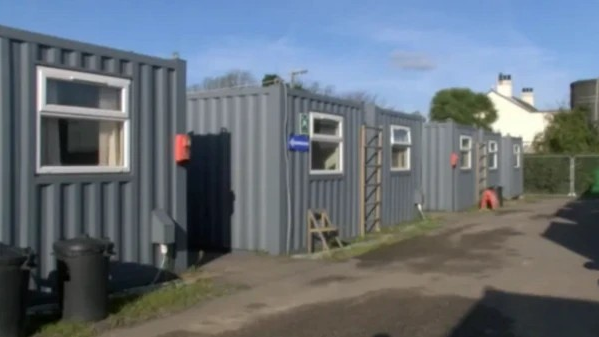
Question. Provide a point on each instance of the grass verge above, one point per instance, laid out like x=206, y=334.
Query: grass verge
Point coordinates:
x=387, y=236
x=132, y=309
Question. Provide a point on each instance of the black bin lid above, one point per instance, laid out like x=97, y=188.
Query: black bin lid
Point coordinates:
x=82, y=245
x=13, y=256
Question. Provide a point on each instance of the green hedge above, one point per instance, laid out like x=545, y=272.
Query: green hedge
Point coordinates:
x=546, y=174
x=585, y=173
x=550, y=174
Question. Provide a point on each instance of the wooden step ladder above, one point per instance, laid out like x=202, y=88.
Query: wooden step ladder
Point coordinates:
x=371, y=164
x=319, y=225
x=482, y=169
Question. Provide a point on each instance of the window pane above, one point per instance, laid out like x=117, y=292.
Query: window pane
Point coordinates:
x=83, y=94
x=401, y=136
x=81, y=142
x=325, y=156
x=492, y=160
x=465, y=159
x=465, y=143
x=326, y=127
x=399, y=157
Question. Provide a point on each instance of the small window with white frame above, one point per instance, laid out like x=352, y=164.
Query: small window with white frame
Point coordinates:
x=401, y=143
x=326, y=143
x=82, y=122
x=465, y=152
x=517, y=155
x=492, y=154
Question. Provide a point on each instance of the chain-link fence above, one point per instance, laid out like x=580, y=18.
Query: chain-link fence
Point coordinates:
x=559, y=174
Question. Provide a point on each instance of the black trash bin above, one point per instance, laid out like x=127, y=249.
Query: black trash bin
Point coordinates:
x=499, y=193
x=15, y=264
x=83, y=266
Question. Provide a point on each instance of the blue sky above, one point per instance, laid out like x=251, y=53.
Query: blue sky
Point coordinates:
x=403, y=51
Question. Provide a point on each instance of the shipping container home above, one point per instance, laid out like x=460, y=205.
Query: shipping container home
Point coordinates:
x=450, y=163
x=512, y=178
x=87, y=137
x=491, y=168
x=247, y=190
x=401, y=171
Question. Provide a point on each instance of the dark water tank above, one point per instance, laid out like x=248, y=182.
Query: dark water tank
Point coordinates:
x=584, y=93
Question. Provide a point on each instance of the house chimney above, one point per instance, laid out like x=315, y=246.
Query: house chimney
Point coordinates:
x=504, y=85
x=528, y=96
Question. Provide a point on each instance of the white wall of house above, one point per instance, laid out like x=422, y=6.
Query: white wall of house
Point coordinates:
x=516, y=121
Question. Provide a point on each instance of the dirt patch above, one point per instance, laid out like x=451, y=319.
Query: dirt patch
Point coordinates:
x=503, y=212
x=385, y=313
x=330, y=279
x=409, y=312
x=542, y=216
x=466, y=253
x=256, y=306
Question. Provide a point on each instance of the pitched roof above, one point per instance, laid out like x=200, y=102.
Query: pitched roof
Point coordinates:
x=517, y=101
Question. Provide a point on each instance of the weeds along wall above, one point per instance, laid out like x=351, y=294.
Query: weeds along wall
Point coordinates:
x=42, y=200
x=245, y=185
x=512, y=163
x=448, y=188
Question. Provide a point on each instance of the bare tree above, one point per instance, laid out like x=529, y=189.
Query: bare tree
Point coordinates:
x=233, y=78
x=360, y=96
x=317, y=88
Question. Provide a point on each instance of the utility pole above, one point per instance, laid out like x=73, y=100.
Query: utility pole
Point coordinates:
x=295, y=73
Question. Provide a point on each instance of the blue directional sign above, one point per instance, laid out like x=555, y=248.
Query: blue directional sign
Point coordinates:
x=298, y=143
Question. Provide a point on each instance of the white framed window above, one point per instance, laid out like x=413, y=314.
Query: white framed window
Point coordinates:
x=465, y=152
x=83, y=122
x=517, y=155
x=401, y=143
x=492, y=154
x=326, y=143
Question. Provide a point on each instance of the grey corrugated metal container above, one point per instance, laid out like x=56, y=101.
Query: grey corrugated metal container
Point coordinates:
x=249, y=212
x=493, y=174
x=38, y=209
x=400, y=188
x=446, y=188
x=512, y=178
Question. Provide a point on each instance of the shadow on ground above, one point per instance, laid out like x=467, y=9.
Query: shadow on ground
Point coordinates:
x=399, y=313
x=578, y=230
x=452, y=252
x=507, y=314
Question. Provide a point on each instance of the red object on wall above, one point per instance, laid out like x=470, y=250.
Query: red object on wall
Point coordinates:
x=453, y=159
x=182, y=148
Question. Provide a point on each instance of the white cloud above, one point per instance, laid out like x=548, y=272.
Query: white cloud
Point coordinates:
x=412, y=61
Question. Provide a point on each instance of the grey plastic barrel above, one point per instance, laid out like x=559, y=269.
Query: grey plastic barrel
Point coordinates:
x=15, y=266
x=83, y=271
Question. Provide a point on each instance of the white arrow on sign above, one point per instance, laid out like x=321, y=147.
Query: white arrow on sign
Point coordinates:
x=295, y=142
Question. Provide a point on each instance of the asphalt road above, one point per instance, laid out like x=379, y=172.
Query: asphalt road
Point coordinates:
x=534, y=274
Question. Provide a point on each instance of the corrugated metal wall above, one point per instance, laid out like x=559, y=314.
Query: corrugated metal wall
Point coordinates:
x=518, y=187
x=512, y=178
x=254, y=120
x=493, y=176
x=338, y=194
x=437, y=175
x=37, y=210
x=446, y=189
x=399, y=188
x=234, y=188
x=465, y=189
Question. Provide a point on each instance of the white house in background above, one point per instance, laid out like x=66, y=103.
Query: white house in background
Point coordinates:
x=517, y=116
